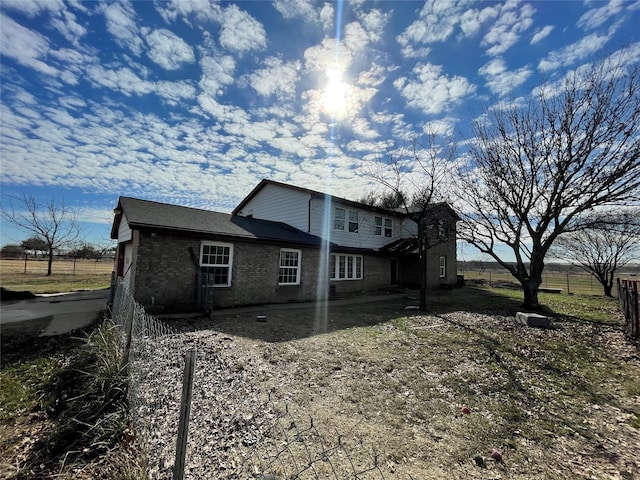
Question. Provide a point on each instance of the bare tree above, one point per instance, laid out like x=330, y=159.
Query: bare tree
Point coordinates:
x=53, y=221
x=414, y=177
x=608, y=245
x=536, y=170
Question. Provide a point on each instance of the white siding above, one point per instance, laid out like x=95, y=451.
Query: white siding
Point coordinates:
x=364, y=238
x=280, y=204
x=128, y=258
x=124, y=232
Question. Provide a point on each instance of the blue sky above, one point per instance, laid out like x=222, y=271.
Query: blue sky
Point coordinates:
x=194, y=102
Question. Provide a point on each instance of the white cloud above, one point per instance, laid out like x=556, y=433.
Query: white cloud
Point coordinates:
x=373, y=22
x=326, y=16
x=170, y=10
x=597, y=16
x=515, y=18
x=436, y=23
x=444, y=127
x=168, y=50
x=216, y=74
x=123, y=80
x=33, y=8
x=304, y=9
x=66, y=24
x=472, y=20
x=277, y=79
x=500, y=80
x=121, y=23
x=430, y=91
x=541, y=34
x=570, y=54
x=329, y=54
x=25, y=46
x=241, y=32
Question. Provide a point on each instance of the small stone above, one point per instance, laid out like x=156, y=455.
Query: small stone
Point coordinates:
x=496, y=455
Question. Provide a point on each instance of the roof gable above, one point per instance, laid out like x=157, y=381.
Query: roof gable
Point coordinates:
x=313, y=194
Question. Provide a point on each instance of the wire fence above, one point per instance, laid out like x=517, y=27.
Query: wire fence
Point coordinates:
x=235, y=430
x=559, y=282
x=629, y=299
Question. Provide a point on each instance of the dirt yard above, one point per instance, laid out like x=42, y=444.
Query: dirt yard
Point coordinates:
x=450, y=393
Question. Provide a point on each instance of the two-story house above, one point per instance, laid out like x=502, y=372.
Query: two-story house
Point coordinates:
x=282, y=243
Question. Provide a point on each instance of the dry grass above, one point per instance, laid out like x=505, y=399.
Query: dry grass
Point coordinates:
x=66, y=277
x=558, y=403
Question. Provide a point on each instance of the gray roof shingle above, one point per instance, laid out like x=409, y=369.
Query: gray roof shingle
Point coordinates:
x=147, y=214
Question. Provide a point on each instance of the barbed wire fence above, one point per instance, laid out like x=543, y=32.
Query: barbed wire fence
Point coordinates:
x=234, y=431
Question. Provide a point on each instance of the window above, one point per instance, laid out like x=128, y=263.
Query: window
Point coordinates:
x=346, y=267
x=215, y=264
x=443, y=267
x=338, y=218
x=353, y=221
x=378, y=223
x=388, y=228
x=341, y=219
x=442, y=230
x=289, y=272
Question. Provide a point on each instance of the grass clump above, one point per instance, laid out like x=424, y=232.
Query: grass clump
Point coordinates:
x=75, y=391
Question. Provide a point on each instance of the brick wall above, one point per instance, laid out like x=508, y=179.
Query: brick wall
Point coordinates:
x=165, y=274
x=376, y=273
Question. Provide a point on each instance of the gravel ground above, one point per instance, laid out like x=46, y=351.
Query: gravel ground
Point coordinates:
x=378, y=389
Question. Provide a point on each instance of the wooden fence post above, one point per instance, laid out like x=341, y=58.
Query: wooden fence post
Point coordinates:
x=185, y=411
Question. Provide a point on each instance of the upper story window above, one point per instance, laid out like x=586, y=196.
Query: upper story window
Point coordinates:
x=345, y=218
x=383, y=226
x=216, y=260
x=353, y=221
x=338, y=218
x=289, y=271
x=441, y=228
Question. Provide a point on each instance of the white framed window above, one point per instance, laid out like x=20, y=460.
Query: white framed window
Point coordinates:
x=377, y=226
x=338, y=218
x=346, y=267
x=353, y=221
x=443, y=267
x=383, y=225
x=216, y=260
x=290, y=264
x=388, y=227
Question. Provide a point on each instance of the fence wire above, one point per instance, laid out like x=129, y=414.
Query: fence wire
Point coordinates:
x=234, y=432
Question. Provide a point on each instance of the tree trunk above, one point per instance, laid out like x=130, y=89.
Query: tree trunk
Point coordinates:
x=422, y=250
x=530, y=289
x=607, y=290
x=49, y=262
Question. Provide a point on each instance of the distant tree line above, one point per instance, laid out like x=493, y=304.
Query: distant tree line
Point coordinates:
x=35, y=247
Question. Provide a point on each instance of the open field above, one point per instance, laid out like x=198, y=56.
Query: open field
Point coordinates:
x=67, y=275
x=574, y=282
x=557, y=403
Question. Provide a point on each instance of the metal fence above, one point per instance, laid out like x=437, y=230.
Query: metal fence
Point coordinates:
x=565, y=283
x=630, y=305
x=235, y=432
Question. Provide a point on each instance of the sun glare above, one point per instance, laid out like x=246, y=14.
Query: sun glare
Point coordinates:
x=335, y=93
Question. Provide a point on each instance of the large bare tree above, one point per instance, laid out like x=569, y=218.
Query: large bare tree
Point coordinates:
x=612, y=242
x=415, y=177
x=52, y=221
x=537, y=168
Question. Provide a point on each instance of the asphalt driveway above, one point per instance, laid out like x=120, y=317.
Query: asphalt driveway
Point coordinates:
x=48, y=315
